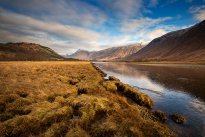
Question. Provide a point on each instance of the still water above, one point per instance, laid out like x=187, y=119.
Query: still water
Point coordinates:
x=173, y=88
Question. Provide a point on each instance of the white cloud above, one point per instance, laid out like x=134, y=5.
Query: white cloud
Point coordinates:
x=156, y=33
x=61, y=46
x=12, y=20
x=63, y=11
x=141, y=23
x=69, y=25
x=147, y=34
x=65, y=38
x=62, y=38
x=116, y=40
x=200, y=15
x=124, y=8
x=195, y=9
x=198, y=12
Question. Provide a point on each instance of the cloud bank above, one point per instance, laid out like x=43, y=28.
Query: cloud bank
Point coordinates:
x=68, y=25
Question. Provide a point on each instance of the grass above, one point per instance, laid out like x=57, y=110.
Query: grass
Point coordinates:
x=134, y=95
x=71, y=99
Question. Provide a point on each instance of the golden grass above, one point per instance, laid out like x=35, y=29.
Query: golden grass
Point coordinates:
x=71, y=99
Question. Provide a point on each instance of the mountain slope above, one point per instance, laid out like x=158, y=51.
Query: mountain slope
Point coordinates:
x=26, y=51
x=109, y=54
x=80, y=54
x=116, y=52
x=182, y=45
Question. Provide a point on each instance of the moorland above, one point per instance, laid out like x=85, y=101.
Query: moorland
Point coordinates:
x=68, y=98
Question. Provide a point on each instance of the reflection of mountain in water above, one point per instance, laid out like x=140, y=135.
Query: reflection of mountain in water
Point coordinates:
x=178, y=77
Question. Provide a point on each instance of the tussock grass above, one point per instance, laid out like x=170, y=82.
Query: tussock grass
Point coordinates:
x=71, y=99
x=20, y=126
x=22, y=94
x=2, y=107
x=82, y=91
x=159, y=115
x=73, y=81
x=110, y=86
x=134, y=95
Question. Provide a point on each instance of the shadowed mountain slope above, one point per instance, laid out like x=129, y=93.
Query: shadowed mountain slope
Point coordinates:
x=182, y=45
x=26, y=51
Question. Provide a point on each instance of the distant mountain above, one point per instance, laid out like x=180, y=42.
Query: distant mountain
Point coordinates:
x=26, y=51
x=182, y=45
x=80, y=54
x=110, y=54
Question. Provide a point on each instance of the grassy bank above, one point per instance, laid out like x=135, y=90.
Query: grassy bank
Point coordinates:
x=71, y=99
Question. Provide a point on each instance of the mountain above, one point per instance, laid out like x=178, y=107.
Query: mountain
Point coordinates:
x=80, y=54
x=182, y=45
x=26, y=51
x=114, y=53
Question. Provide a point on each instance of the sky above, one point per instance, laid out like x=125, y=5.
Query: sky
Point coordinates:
x=69, y=25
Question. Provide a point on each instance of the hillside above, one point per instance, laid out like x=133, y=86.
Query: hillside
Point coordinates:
x=26, y=51
x=109, y=54
x=182, y=45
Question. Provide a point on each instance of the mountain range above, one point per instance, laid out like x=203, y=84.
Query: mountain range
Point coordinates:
x=110, y=54
x=182, y=45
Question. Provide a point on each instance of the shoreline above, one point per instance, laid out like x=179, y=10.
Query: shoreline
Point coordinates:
x=159, y=62
x=134, y=62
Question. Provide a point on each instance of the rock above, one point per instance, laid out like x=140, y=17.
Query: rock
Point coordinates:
x=112, y=78
x=178, y=118
x=160, y=116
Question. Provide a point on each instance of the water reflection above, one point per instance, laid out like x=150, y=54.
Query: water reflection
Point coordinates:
x=169, y=86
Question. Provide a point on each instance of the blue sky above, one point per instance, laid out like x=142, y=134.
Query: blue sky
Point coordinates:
x=68, y=25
